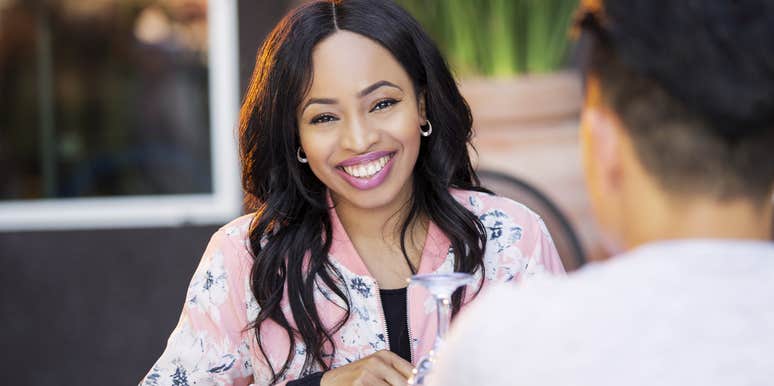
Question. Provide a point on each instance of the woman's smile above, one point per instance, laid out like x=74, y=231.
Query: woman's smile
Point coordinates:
x=367, y=171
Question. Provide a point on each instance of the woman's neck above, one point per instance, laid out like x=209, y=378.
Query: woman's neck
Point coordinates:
x=372, y=224
x=376, y=235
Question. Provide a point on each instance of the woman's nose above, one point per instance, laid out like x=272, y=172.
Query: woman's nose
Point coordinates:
x=358, y=136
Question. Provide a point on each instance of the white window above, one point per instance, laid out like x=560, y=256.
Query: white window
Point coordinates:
x=118, y=113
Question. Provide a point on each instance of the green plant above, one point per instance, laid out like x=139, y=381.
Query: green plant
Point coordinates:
x=498, y=38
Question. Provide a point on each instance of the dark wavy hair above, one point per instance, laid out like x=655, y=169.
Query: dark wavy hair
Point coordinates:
x=291, y=232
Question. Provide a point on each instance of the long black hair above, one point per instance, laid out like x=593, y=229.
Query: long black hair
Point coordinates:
x=291, y=232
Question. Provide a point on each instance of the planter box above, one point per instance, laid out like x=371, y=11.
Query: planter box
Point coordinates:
x=527, y=127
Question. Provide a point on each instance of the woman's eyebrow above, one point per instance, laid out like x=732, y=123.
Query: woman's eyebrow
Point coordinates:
x=375, y=86
x=322, y=101
x=362, y=93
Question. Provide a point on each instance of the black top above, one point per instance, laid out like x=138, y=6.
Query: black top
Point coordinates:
x=394, y=303
x=395, y=313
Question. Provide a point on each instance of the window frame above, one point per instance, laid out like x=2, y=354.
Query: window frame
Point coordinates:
x=219, y=206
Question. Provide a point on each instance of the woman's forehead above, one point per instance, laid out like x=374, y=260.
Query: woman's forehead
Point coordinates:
x=346, y=62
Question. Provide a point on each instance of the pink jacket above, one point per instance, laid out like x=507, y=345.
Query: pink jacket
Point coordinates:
x=210, y=345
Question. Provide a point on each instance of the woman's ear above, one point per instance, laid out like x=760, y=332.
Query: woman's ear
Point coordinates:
x=422, y=107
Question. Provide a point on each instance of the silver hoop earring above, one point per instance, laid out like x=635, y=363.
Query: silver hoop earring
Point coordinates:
x=300, y=158
x=426, y=133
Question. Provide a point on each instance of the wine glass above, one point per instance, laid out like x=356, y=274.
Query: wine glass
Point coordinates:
x=441, y=286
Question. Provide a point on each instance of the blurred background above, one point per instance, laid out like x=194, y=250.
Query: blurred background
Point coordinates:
x=117, y=143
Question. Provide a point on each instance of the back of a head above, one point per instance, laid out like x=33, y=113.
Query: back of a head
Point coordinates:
x=693, y=83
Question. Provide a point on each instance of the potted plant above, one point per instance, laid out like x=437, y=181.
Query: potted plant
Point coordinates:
x=511, y=60
x=510, y=55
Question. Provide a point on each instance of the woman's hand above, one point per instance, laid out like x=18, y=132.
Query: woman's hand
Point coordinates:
x=380, y=368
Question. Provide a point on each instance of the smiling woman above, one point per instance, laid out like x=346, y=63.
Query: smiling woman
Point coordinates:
x=354, y=191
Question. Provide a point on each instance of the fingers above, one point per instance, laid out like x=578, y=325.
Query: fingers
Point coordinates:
x=399, y=369
x=394, y=378
x=383, y=368
x=369, y=379
x=398, y=363
x=405, y=368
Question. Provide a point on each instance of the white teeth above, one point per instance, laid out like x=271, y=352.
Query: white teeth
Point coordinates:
x=367, y=170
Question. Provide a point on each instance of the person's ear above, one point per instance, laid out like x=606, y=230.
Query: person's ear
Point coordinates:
x=602, y=142
x=604, y=131
x=422, y=107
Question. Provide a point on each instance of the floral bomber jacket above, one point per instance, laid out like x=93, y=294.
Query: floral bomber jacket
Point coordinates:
x=212, y=346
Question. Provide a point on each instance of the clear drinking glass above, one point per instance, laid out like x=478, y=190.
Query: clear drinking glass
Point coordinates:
x=441, y=286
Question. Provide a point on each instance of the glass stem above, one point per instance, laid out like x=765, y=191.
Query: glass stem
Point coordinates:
x=444, y=313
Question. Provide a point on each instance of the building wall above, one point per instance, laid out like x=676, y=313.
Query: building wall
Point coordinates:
x=92, y=307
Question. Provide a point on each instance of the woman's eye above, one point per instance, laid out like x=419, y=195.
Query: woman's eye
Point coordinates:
x=383, y=104
x=322, y=118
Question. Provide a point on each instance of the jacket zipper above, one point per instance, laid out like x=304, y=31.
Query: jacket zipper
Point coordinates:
x=408, y=325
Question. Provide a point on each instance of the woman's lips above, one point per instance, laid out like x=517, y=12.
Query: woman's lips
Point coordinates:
x=366, y=158
x=367, y=171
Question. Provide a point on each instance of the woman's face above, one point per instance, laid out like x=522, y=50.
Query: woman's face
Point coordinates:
x=360, y=122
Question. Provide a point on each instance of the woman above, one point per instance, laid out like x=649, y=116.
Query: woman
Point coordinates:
x=353, y=140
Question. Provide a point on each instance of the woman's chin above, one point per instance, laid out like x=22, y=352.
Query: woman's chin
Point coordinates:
x=372, y=199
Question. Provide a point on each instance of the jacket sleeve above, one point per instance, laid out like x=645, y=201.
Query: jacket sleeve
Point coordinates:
x=543, y=258
x=208, y=346
x=521, y=240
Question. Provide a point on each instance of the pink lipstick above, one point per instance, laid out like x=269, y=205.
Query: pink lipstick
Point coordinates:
x=362, y=165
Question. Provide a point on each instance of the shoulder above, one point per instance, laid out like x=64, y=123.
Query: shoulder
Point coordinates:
x=505, y=327
x=222, y=274
x=587, y=315
x=238, y=228
x=481, y=203
x=540, y=319
x=493, y=209
x=231, y=242
x=598, y=299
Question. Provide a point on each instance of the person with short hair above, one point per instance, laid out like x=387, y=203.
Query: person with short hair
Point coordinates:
x=677, y=136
